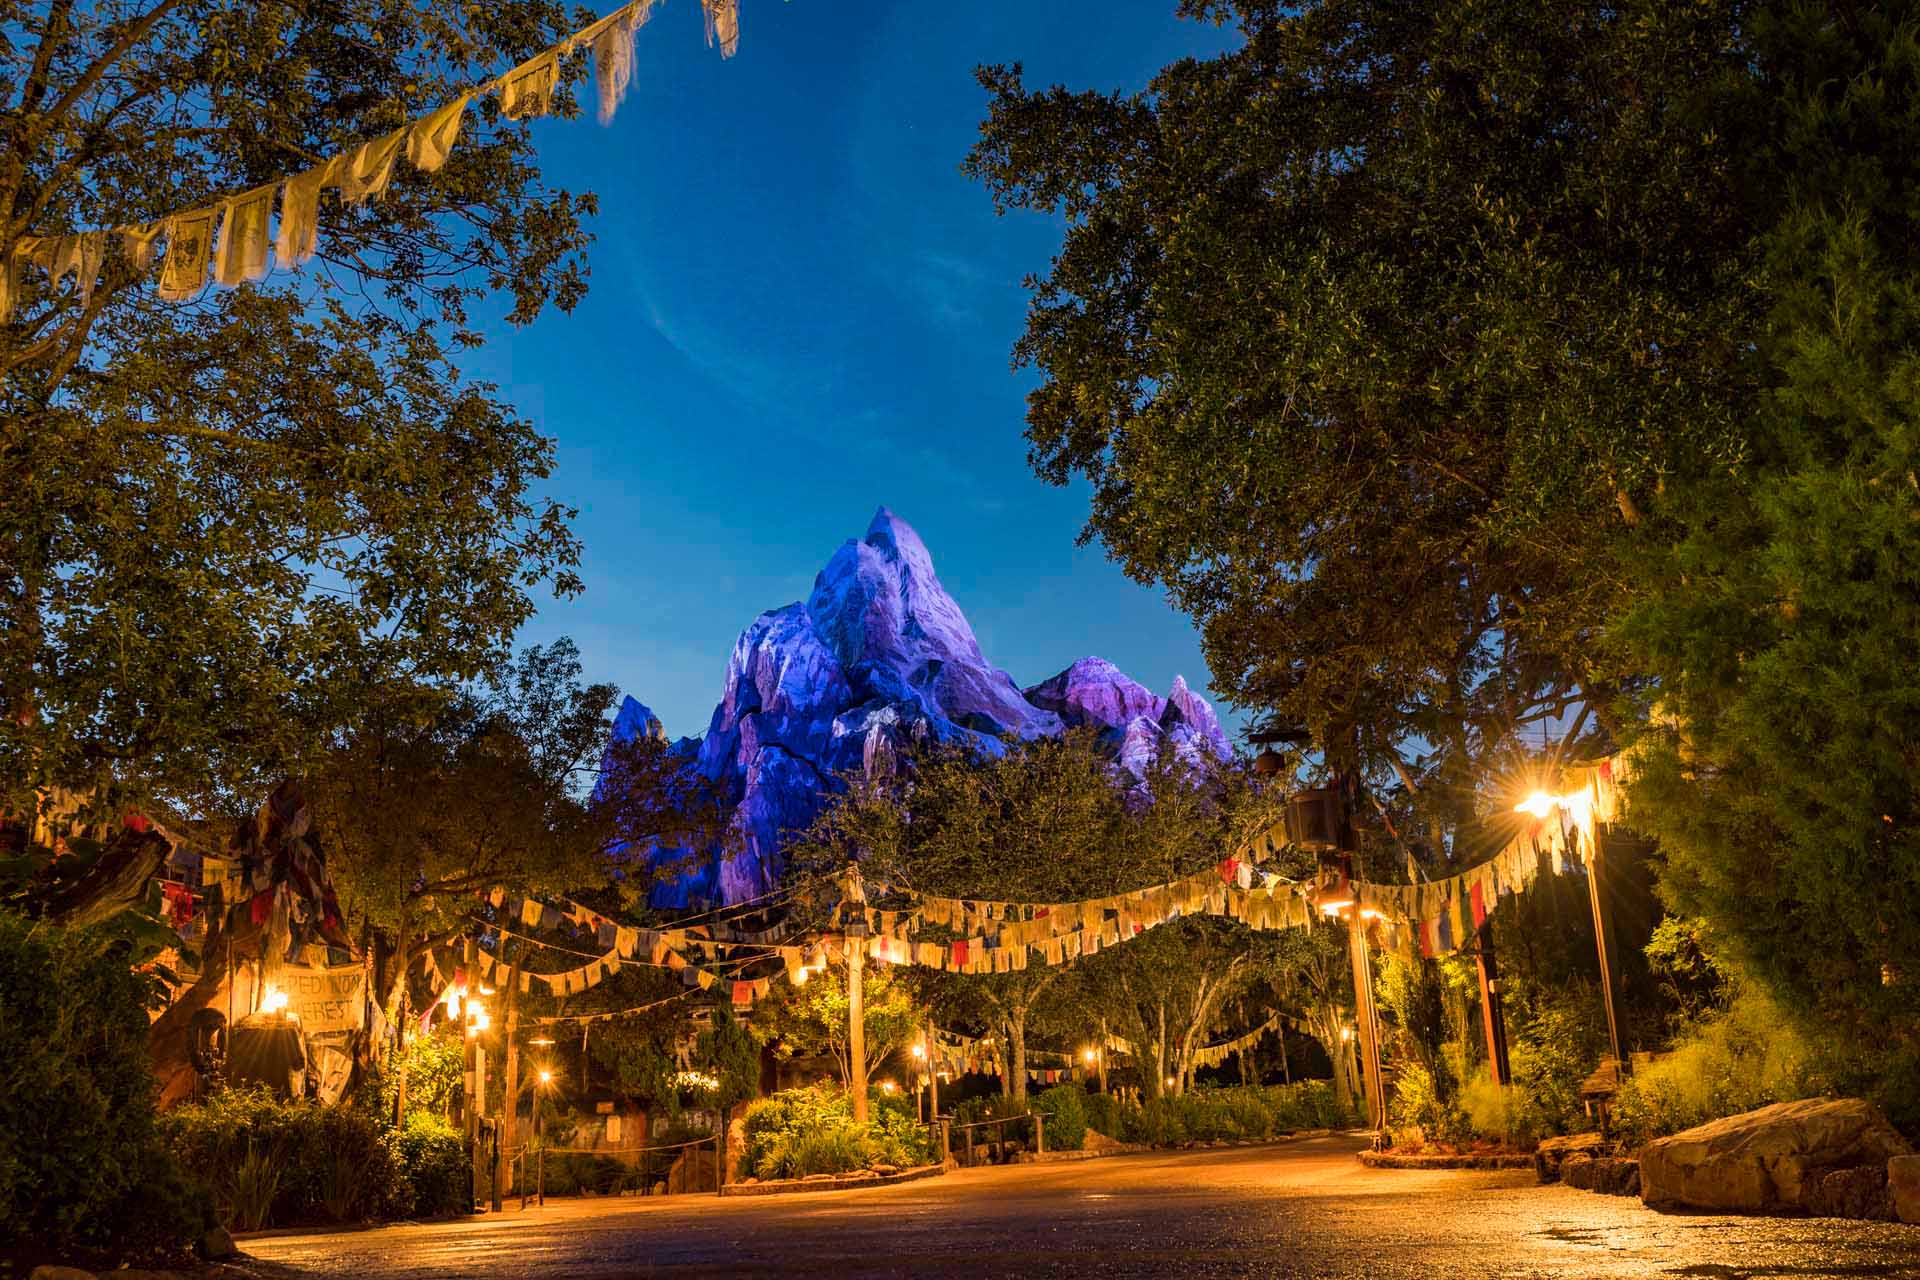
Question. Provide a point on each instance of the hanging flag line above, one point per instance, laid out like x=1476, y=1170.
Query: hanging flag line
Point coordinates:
x=1442, y=916
x=246, y=253
x=1212, y=1055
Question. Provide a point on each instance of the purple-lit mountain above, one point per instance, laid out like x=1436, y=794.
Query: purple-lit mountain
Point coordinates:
x=880, y=657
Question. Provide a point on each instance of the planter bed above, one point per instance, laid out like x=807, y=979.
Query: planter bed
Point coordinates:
x=1435, y=1160
x=831, y=1182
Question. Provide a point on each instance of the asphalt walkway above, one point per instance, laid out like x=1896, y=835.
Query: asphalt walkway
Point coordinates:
x=1305, y=1208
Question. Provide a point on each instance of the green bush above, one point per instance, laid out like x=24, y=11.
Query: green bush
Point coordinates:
x=83, y=1168
x=273, y=1162
x=1424, y=1111
x=812, y=1130
x=1104, y=1112
x=433, y=1158
x=1208, y=1115
x=1552, y=1054
x=1065, y=1107
x=1746, y=1055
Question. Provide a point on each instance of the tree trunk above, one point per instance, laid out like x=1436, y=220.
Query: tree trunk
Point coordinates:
x=510, y=1111
x=1160, y=1081
x=1017, y=1052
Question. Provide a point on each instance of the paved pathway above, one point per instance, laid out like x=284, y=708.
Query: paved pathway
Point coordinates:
x=1303, y=1208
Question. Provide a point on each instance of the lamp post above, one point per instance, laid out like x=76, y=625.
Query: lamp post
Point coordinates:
x=543, y=1081
x=1577, y=806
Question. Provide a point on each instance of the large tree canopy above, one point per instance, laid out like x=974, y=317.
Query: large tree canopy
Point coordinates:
x=1364, y=330
x=1457, y=366
x=221, y=520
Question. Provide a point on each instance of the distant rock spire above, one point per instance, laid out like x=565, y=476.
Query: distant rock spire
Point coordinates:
x=880, y=658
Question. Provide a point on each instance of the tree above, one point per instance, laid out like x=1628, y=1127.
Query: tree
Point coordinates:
x=1165, y=991
x=812, y=1019
x=1778, y=766
x=1042, y=821
x=1374, y=333
x=225, y=521
x=1462, y=369
x=434, y=797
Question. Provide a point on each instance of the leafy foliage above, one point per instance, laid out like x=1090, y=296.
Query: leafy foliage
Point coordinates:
x=1730, y=1060
x=812, y=1130
x=271, y=1161
x=227, y=519
x=1363, y=329
x=812, y=1020
x=1781, y=611
x=82, y=1164
x=1462, y=371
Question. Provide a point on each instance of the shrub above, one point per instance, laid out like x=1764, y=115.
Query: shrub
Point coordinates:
x=433, y=1157
x=812, y=1130
x=1423, y=1112
x=83, y=1168
x=1206, y=1115
x=1065, y=1107
x=269, y=1161
x=1104, y=1112
x=1553, y=1052
x=1727, y=1061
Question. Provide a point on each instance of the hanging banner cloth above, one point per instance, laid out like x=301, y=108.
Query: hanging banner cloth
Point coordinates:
x=359, y=173
x=1442, y=915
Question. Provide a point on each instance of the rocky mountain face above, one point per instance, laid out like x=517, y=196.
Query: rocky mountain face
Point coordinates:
x=880, y=657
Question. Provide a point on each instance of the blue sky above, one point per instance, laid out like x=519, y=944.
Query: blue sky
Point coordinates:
x=800, y=311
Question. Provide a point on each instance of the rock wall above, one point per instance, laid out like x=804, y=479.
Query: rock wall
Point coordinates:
x=877, y=658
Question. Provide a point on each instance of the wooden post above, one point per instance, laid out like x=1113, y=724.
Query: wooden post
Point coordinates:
x=1603, y=943
x=1100, y=1055
x=1492, y=1016
x=480, y=1115
x=469, y=1106
x=1368, y=1028
x=933, y=1074
x=510, y=1113
x=856, y=1024
x=1039, y=1134
x=856, y=948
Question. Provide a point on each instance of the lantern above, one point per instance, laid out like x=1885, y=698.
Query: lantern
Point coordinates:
x=1316, y=818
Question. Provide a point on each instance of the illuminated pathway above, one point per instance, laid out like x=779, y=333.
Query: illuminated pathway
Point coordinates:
x=1294, y=1209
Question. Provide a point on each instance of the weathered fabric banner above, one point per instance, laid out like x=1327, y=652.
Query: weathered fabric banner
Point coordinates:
x=324, y=999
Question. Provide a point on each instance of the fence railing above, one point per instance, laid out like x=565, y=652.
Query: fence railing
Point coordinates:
x=996, y=1144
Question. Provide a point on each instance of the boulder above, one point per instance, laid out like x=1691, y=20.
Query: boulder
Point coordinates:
x=1859, y=1192
x=1580, y=1170
x=216, y=1245
x=884, y=1170
x=1551, y=1154
x=1761, y=1161
x=1903, y=1187
x=59, y=1273
x=1618, y=1177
